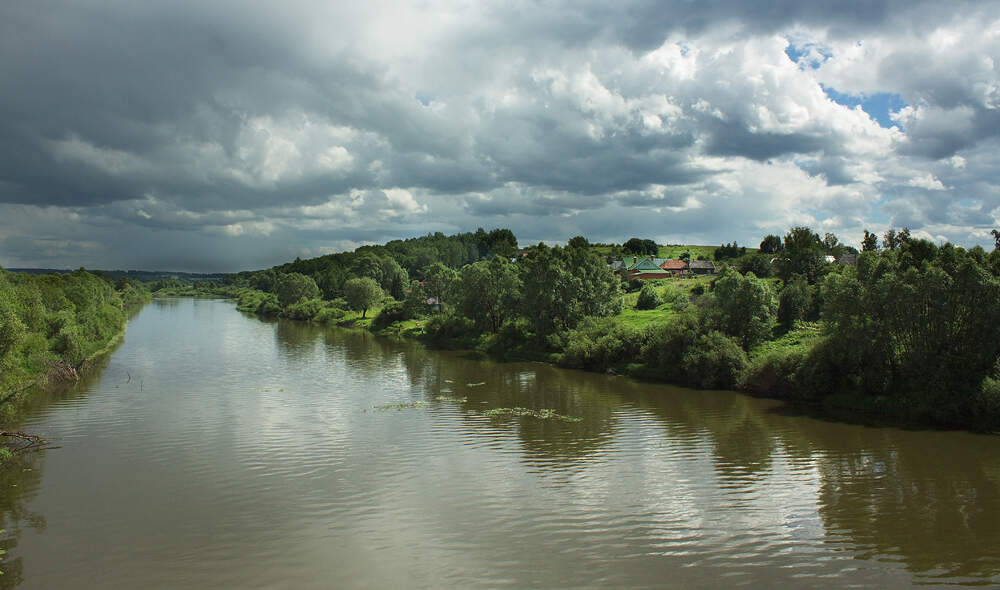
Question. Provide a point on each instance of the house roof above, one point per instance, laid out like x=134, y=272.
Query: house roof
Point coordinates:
x=703, y=264
x=644, y=263
x=671, y=264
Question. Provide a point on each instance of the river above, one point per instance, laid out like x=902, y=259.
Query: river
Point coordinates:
x=216, y=450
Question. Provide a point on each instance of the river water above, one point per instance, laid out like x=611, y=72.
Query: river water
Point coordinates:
x=215, y=450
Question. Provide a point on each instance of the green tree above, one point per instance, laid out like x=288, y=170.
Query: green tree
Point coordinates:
x=770, y=244
x=562, y=286
x=601, y=289
x=757, y=263
x=833, y=246
x=293, y=287
x=331, y=280
x=727, y=251
x=892, y=240
x=438, y=281
x=802, y=255
x=640, y=247
x=869, y=243
x=743, y=306
x=487, y=292
x=395, y=278
x=648, y=299
x=794, y=302
x=578, y=242
x=996, y=237
x=928, y=334
x=362, y=293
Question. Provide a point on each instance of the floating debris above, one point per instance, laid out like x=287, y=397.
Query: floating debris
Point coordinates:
x=529, y=413
x=449, y=381
x=481, y=383
x=451, y=398
x=400, y=405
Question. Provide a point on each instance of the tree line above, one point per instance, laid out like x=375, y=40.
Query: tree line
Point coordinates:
x=54, y=323
x=903, y=328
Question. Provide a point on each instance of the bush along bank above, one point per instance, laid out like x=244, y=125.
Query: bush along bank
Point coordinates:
x=906, y=331
x=51, y=326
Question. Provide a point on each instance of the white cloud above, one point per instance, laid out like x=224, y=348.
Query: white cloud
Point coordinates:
x=336, y=124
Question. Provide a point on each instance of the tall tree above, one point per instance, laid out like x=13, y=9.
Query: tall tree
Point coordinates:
x=929, y=333
x=870, y=242
x=770, y=244
x=640, y=247
x=362, y=293
x=438, y=281
x=487, y=292
x=562, y=286
x=893, y=239
x=293, y=287
x=802, y=255
x=744, y=307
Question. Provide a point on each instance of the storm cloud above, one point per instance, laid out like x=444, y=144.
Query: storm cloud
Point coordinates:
x=210, y=136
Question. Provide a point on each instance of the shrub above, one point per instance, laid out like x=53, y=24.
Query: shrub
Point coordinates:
x=677, y=299
x=986, y=406
x=744, y=307
x=304, y=310
x=512, y=341
x=452, y=330
x=665, y=345
x=269, y=306
x=715, y=361
x=329, y=315
x=293, y=287
x=598, y=345
x=794, y=302
x=776, y=373
x=648, y=299
x=391, y=313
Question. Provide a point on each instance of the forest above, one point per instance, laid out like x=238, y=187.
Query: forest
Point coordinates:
x=52, y=325
x=905, y=329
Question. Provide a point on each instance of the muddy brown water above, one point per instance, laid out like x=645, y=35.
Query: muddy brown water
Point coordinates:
x=216, y=450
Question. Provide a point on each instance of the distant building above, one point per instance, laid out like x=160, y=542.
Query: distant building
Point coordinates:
x=848, y=259
x=647, y=268
x=702, y=267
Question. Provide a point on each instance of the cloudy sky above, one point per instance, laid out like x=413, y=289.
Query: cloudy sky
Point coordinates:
x=217, y=135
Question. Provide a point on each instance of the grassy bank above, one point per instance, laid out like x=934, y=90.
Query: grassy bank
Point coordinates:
x=52, y=326
x=908, y=331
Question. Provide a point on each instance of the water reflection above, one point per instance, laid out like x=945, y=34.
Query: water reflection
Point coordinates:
x=928, y=499
x=921, y=497
x=274, y=468
x=19, y=482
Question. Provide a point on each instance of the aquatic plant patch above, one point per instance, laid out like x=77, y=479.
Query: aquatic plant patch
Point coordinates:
x=545, y=414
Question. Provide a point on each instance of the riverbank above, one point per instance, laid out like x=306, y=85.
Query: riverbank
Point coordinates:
x=662, y=345
x=324, y=454
x=54, y=327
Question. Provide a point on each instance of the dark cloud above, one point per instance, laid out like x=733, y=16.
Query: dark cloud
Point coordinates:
x=734, y=139
x=213, y=135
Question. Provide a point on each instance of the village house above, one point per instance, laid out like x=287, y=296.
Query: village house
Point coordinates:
x=648, y=268
x=702, y=267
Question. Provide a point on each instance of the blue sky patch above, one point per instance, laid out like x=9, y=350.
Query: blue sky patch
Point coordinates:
x=808, y=55
x=878, y=106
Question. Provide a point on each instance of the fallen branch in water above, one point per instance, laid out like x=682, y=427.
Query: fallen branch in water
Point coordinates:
x=24, y=441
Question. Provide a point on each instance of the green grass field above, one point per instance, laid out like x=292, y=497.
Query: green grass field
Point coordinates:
x=672, y=250
x=665, y=312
